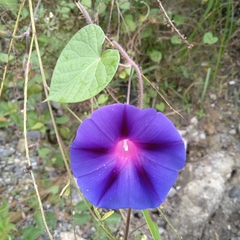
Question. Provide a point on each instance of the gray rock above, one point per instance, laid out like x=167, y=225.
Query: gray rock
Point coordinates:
x=233, y=131
x=201, y=196
x=232, y=82
x=69, y=236
x=234, y=192
x=17, y=160
x=225, y=141
x=6, y=152
x=33, y=135
x=172, y=193
x=213, y=96
x=75, y=196
x=9, y=168
x=8, y=180
x=202, y=135
x=43, y=106
x=194, y=121
x=3, y=136
x=56, y=105
x=60, y=112
x=21, y=145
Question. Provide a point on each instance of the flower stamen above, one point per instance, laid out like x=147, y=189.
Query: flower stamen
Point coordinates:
x=125, y=145
x=126, y=150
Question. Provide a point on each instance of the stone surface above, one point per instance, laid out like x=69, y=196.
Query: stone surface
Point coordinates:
x=33, y=135
x=201, y=195
x=21, y=145
x=3, y=136
x=6, y=151
x=172, y=193
x=234, y=192
x=69, y=236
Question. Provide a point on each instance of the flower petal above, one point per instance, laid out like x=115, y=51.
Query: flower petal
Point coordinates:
x=94, y=184
x=153, y=128
x=136, y=120
x=110, y=119
x=90, y=136
x=158, y=139
x=168, y=155
x=130, y=186
x=107, y=183
x=85, y=162
x=102, y=130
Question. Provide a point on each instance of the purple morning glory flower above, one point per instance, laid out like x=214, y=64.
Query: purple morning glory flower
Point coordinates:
x=126, y=157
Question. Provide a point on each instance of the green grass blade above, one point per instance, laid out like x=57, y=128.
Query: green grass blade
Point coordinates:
x=206, y=83
x=151, y=225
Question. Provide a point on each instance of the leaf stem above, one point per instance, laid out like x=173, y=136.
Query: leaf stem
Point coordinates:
x=127, y=223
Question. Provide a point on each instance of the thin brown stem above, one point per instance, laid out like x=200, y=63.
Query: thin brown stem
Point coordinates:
x=129, y=86
x=84, y=12
x=28, y=31
x=134, y=230
x=137, y=69
x=169, y=21
x=111, y=94
x=127, y=223
x=10, y=47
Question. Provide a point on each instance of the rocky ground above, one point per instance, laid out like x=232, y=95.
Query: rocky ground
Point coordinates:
x=204, y=204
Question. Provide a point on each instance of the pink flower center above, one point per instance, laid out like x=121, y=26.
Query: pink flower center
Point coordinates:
x=126, y=150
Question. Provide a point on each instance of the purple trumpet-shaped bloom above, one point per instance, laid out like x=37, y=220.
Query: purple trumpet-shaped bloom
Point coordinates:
x=126, y=157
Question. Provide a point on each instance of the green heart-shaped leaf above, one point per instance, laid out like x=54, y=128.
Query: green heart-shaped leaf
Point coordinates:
x=176, y=40
x=208, y=38
x=155, y=55
x=82, y=71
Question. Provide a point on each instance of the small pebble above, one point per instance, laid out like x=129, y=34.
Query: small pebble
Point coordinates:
x=213, y=96
x=172, y=192
x=202, y=135
x=7, y=180
x=232, y=82
x=21, y=145
x=161, y=230
x=178, y=187
x=234, y=192
x=10, y=161
x=56, y=105
x=6, y=152
x=233, y=132
x=9, y=168
x=10, y=189
x=194, y=121
x=17, y=160
x=33, y=135
x=182, y=132
x=3, y=136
